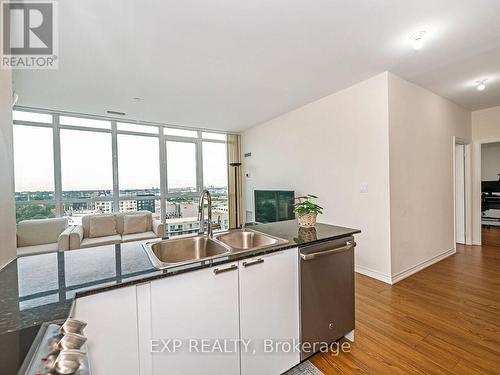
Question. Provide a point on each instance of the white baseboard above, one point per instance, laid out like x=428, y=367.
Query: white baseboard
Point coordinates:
x=403, y=274
x=373, y=274
x=420, y=266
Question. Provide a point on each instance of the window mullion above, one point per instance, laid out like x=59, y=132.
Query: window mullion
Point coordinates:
x=199, y=164
x=114, y=150
x=163, y=175
x=56, y=142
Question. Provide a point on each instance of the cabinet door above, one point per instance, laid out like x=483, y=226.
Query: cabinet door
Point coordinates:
x=111, y=330
x=197, y=305
x=269, y=309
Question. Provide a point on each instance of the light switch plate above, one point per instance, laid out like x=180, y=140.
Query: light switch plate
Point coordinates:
x=363, y=188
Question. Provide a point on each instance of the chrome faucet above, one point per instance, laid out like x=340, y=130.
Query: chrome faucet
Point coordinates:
x=201, y=213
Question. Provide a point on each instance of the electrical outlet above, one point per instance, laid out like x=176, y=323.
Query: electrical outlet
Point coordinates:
x=363, y=188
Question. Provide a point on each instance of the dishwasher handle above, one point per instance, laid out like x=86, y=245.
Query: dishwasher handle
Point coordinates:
x=347, y=246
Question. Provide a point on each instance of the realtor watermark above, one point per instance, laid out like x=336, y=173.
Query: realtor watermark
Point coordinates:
x=30, y=35
x=252, y=347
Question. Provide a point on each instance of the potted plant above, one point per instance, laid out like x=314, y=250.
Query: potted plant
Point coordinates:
x=307, y=211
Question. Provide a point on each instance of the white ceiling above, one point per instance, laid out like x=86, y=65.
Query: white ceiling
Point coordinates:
x=231, y=64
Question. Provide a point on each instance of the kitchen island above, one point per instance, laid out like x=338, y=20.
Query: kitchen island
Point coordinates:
x=44, y=287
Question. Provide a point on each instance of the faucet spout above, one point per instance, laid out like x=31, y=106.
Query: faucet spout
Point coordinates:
x=201, y=213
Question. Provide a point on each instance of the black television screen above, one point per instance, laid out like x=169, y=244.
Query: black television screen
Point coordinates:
x=274, y=205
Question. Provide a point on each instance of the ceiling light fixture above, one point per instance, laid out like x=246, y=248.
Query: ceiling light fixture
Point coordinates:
x=481, y=84
x=418, y=39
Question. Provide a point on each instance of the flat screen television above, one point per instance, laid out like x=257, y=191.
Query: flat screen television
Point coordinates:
x=274, y=205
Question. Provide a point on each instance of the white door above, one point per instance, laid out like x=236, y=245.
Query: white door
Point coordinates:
x=196, y=306
x=460, y=194
x=269, y=309
x=111, y=330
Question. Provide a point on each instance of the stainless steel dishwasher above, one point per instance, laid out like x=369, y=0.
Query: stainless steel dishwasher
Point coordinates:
x=326, y=292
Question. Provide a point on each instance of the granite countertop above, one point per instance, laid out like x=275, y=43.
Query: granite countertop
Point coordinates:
x=41, y=288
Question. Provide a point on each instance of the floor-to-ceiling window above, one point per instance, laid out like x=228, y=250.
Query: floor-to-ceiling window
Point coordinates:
x=215, y=179
x=34, y=172
x=86, y=172
x=139, y=168
x=75, y=165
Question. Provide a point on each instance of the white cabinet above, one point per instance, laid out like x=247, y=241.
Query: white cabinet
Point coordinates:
x=253, y=299
x=111, y=331
x=269, y=309
x=197, y=305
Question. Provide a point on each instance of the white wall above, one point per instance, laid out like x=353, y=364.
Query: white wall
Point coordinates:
x=486, y=125
x=490, y=161
x=389, y=134
x=421, y=130
x=330, y=148
x=7, y=205
x=485, y=129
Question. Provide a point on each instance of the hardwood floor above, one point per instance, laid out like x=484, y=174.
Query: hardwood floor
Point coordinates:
x=442, y=320
x=490, y=236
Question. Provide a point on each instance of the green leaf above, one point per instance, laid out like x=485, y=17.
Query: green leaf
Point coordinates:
x=304, y=207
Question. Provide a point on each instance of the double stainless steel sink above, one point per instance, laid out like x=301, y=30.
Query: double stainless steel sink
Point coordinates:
x=169, y=253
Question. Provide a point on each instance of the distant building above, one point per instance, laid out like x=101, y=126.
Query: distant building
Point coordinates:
x=103, y=207
x=182, y=218
x=181, y=226
x=146, y=204
x=128, y=205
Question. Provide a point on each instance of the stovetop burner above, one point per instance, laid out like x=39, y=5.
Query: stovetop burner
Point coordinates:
x=58, y=350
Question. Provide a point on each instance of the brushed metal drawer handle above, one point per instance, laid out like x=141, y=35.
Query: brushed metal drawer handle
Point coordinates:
x=348, y=246
x=253, y=262
x=222, y=270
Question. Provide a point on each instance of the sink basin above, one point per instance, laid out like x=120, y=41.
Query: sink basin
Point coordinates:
x=248, y=240
x=169, y=253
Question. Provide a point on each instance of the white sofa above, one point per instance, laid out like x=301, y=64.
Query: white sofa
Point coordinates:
x=40, y=236
x=108, y=229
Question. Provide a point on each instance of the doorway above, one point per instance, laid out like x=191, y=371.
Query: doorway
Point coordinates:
x=490, y=194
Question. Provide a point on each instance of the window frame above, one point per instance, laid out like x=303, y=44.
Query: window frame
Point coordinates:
x=115, y=198
x=47, y=126
x=59, y=173
x=198, y=177
x=116, y=161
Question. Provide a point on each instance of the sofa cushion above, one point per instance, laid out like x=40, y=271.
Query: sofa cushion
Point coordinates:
x=101, y=241
x=102, y=225
x=40, y=231
x=138, y=236
x=36, y=249
x=121, y=216
x=137, y=223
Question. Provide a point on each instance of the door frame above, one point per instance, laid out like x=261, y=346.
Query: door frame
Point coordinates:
x=476, y=188
x=467, y=190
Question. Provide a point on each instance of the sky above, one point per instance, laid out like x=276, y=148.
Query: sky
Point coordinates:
x=33, y=158
x=86, y=161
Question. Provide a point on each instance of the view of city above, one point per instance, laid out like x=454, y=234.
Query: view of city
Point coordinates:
x=180, y=212
x=86, y=178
